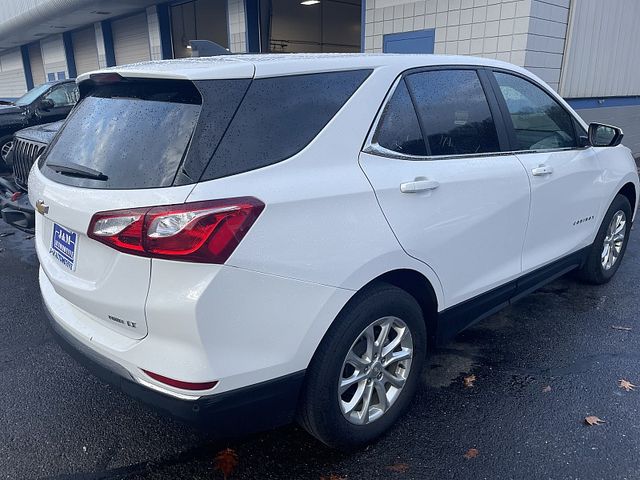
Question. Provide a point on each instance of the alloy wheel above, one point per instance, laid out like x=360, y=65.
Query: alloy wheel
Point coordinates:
x=614, y=240
x=375, y=370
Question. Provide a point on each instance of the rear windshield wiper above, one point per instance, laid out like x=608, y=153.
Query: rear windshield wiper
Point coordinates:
x=76, y=170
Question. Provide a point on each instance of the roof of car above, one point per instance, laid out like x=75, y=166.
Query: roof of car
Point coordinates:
x=270, y=65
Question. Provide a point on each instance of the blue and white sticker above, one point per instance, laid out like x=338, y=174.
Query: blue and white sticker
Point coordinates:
x=63, y=246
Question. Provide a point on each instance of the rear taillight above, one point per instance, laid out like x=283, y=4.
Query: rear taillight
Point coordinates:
x=206, y=232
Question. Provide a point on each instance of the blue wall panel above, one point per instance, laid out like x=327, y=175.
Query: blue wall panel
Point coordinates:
x=420, y=41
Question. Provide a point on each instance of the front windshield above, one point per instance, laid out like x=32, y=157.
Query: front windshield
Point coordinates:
x=32, y=94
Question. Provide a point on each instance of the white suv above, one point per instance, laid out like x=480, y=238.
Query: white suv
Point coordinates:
x=281, y=237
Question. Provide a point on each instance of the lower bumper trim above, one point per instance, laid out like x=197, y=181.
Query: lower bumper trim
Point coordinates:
x=249, y=409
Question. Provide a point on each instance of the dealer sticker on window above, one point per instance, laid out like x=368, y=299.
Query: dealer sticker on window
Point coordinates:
x=63, y=246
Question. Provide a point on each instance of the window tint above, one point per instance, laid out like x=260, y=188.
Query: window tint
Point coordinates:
x=279, y=117
x=134, y=132
x=539, y=121
x=399, y=129
x=454, y=112
x=32, y=94
x=63, y=95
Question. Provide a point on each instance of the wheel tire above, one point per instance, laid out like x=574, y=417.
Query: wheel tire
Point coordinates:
x=320, y=410
x=593, y=270
x=4, y=166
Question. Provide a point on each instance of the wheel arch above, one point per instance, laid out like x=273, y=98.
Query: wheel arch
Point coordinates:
x=416, y=284
x=629, y=191
x=420, y=288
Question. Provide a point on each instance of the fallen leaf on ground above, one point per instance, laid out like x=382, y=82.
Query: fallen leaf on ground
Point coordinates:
x=626, y=384
x=332, y=477
x=226, y=461
x=471, y=453
x=469, y=381
x=618, y=327
x=398, y=467
x=546, y=389
x=593, y=420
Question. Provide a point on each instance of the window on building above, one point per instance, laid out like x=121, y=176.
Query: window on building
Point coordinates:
x=198, y=20
x=540, y=123
x=454, y=112
x=323, y=26
x=399, y=130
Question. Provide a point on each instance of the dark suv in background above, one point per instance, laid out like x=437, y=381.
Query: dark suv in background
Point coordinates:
x=28, y=145
x=45, y=103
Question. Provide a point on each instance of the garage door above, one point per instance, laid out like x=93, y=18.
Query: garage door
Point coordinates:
x=12, y=81
x=85, y=51
x=37, y=67
x=131, y=39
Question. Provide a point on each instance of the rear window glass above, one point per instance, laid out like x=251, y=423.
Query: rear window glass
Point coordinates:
x=454, y=112
x=279, y=117
x=134, y=133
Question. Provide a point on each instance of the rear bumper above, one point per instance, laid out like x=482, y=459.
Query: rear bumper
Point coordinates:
x=257, y=407
x=18, y=213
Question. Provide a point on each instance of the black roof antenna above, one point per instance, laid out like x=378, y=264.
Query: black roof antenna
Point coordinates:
x=207, y=48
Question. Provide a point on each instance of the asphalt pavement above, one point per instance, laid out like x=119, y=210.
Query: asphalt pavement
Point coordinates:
x=540, y=366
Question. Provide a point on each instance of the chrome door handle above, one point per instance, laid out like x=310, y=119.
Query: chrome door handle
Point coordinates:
x=542, y=170
x=419, y=184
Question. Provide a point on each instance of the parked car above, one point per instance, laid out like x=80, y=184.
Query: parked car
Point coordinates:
x=245, y=240
x=28, y=144
x=45, y=103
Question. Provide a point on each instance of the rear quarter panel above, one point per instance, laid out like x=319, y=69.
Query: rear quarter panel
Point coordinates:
x=322, y=222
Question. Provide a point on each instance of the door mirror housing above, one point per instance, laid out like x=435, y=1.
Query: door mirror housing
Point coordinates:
x=601, y=135
x=46, y=104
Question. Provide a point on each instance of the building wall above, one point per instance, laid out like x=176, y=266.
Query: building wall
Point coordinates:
x=529, y=33
x=155, y=42
x=131, y=39
x=546, y=39
x=237, y=26
x=602, y=57
x=85, y=52
x=627, y=118
x=37, y=66
x=12, y=80
x=102, y=55
x=53, y=56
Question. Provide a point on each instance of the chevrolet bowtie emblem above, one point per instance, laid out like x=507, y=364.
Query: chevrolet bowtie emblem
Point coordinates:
x=42, y=207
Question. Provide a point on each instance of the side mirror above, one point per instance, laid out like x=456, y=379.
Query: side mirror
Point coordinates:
x=601, y=135
x=46, y=104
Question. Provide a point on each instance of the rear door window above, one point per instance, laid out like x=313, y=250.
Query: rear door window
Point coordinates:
x=279, y=117
x=453, y=112
x=134, y=133
x=399, y=130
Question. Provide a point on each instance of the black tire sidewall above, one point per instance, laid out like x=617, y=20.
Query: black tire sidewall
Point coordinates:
x=325, y=418
x=594, y=271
